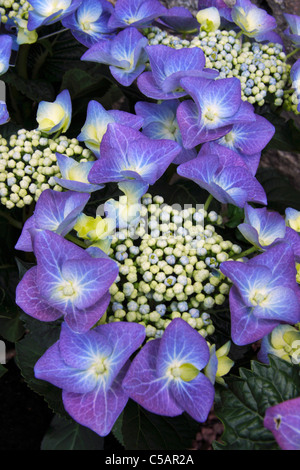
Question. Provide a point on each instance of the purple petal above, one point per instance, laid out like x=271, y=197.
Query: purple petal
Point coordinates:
x=196, y=397
x=80, y=350
x=181, y=343
x=99, y=409
x=29, y=299
x=246, y=327
x=52, y=368
x=145, y=387
x=283, y=420
x=80, y=321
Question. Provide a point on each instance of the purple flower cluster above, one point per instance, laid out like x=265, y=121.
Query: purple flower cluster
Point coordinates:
x=202, y=125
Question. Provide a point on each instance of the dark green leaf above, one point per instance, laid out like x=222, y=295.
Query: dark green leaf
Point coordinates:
x=11, y=327
x=40, y=337
x=243, y=404
x=36, y=90
x=143, y=430
x=3, y=370
x=68, y=435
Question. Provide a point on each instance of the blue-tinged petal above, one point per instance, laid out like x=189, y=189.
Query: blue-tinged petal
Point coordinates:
x=127, y=77
x=193, y=133
x=283, y=420
x=138, y=13
x=274, y=307
x=196, y=397
x=81, y=351
x=55, y=116
x=6, y=43
x=81, y=321
x=101, y=52
x=126, y=153
x=180, y=19
x=247, y=279
x=293, y=238
x=99, y=409
x=24, y=242
x=4, y=116
x=224, y=9
x=270, y=226
x=90, y=279
x=57, y=211
x=148, y=86
x=125, y=339
x=218, y=100
x=51, y=251
x=250, y=233
x=75, y=175
x=212, y=365
x=52, y=368
x=165, y=62
x=249, y=137
x=144, y=386
x=50, y=11
x=181, y=344
x=246, y=328
x=29, y=299
x=280, y=260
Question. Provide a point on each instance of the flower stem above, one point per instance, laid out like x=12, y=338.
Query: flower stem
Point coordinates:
x=12, y=221
x=244, y=253
x=293, y=52
x=239, y=34
x=76, y=241
x=208, y=201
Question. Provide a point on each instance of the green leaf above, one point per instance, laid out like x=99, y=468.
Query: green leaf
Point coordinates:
x=3, y=370
x=36, y=90
x=287, y=134
x=143, y=430
x=40, y=337
x=117, y=429
x=243, y=404
x=11, y=326
x=68, y=435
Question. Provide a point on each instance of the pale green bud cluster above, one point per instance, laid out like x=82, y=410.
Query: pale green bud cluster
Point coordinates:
x=170, y=270
x=261, y=68
x=28, y=165
x=290, y=99
x=10, y=9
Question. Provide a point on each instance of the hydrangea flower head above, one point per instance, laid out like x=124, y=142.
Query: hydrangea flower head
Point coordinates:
x=265, y=229
x=56, y=116
x=293, y=31
x=263, y=287
x=67, y=282
x=54, y=211
x=137, y=13
x=88, y=23
x=50, y=11
x=126, y=154
x=160, y=122
x=168, y=66
x=124, y=54
x=253, y=21
x=6, y=43
x=225, y=176
x=97, y=121
x=283, y=420
x=75, y=175
x=165, y=377
x=89, y=368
